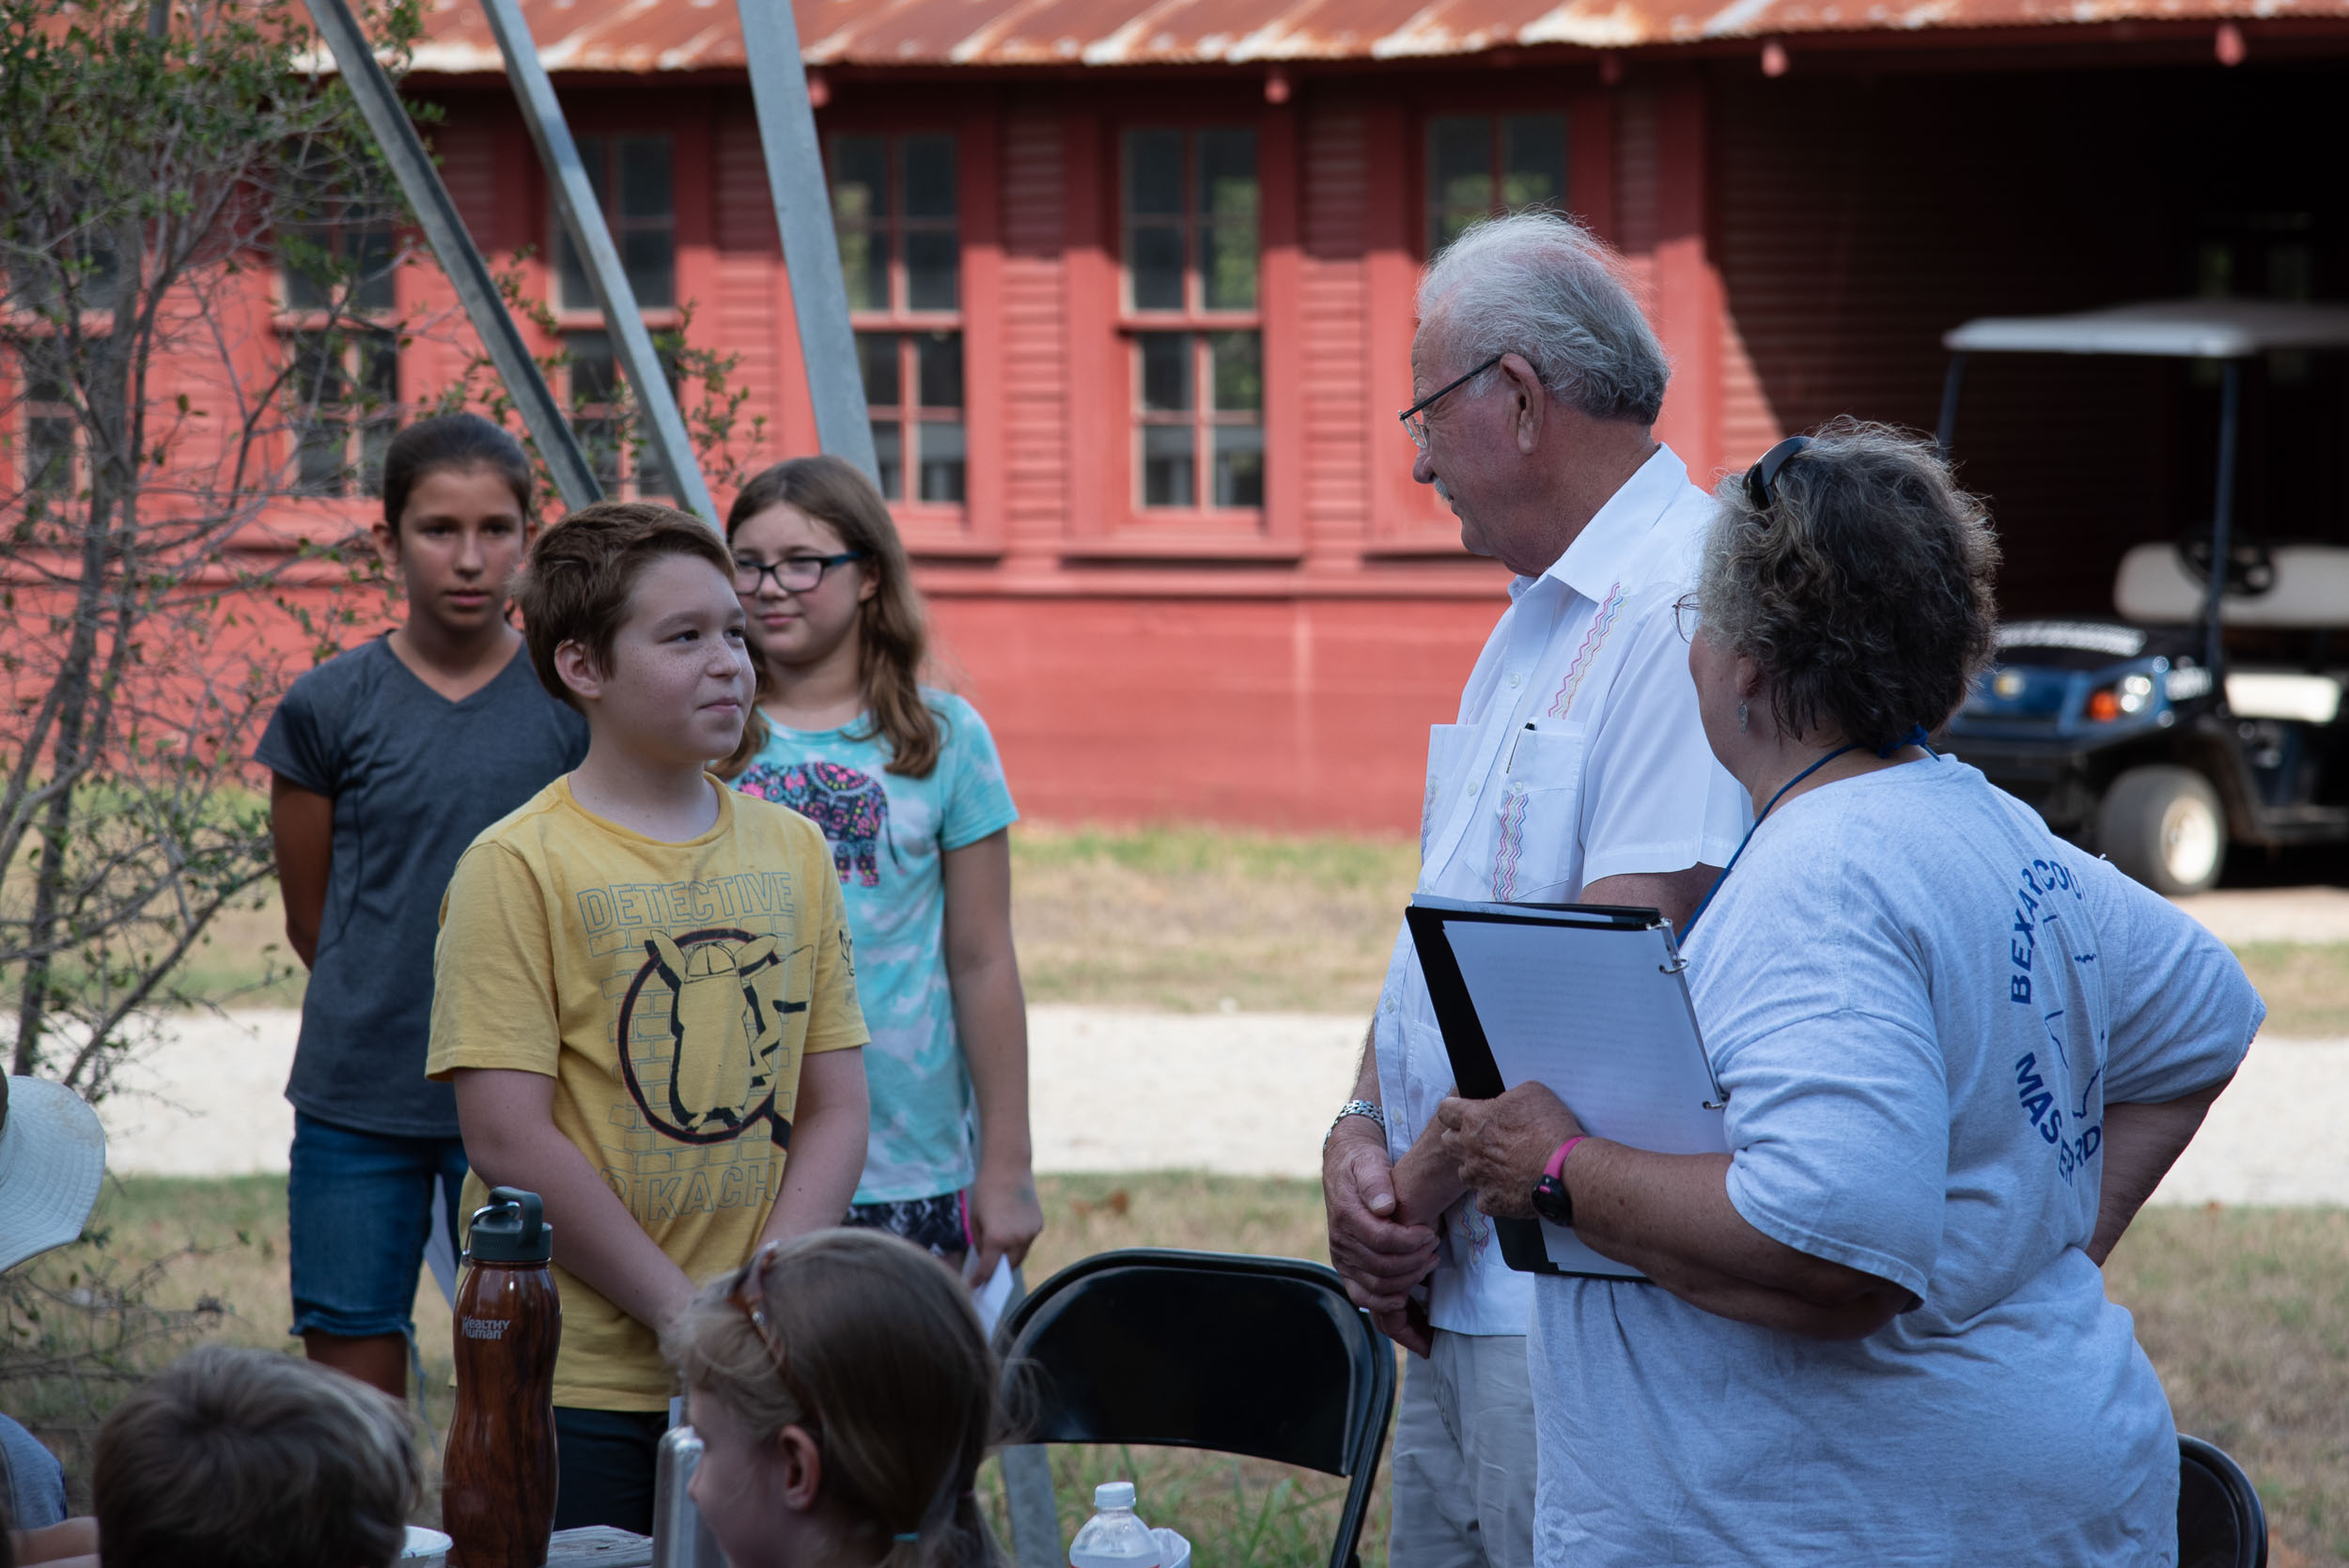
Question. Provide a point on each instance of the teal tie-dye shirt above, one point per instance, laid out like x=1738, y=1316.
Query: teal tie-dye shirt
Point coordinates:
x=889, y=834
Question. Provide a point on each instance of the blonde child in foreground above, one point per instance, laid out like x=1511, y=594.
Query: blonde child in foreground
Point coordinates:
x=846, y=1395
x=643, y=990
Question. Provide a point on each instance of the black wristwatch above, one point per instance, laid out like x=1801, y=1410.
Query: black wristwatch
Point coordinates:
x=1552, y=1199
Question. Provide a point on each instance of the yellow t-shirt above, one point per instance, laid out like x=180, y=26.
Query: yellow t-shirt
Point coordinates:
x=719, y=963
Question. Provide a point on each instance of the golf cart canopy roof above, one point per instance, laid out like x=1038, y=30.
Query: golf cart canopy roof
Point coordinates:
x=2176, y=329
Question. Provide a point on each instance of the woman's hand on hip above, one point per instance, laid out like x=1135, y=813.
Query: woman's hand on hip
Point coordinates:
x=1502, y=1144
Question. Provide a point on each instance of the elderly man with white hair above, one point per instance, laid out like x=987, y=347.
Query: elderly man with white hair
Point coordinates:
x=1578, y=770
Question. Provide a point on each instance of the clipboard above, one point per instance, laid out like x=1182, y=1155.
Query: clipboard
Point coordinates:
x=1589, y=998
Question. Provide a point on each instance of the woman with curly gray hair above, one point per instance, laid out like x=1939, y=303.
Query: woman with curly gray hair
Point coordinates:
x=1959, y=1054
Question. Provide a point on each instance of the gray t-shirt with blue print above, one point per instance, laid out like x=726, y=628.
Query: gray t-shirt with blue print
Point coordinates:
x=888, y=835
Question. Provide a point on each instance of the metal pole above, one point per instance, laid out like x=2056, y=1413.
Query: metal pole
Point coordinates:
x=379, y=103
x=2223, y=519
x=583, y=219
x=811, y=252
x=1947, y=430
x=1027, y=1470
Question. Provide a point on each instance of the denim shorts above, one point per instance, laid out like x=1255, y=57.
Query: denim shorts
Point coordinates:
x=360, y=1210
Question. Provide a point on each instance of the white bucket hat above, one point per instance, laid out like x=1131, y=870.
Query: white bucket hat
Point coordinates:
x=53, y=1156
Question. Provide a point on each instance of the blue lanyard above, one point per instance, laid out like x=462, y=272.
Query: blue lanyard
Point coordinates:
x=1914, y=738
x=1707, y=901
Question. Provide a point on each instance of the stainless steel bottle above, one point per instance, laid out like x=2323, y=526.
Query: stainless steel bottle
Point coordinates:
x=680, y=1536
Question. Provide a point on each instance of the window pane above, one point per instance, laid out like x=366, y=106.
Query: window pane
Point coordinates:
x=889, y=455
x=877, y=358
x=595, y=376
x=1165, y=372
x=378, y=366
x=864, y=267
x=1227, y=175
x=1154, y=173
x=932, y=262
x=371, y=254
x=938, y=358
x=599, y=440
x=1227, y=265
x=644, y=191
x=309, y=268
x=652, y=478
x=1460, y=162
x=929, y=174
x=859, y=180
x=1166, y=465
x=574, y=291
x=318, y=457
x=49, y=456
x=1534, y=160
x=1239, y=465
x=374, y=440
x=1238, y=370
x=649, y=259
x=941, y=460
x=1155, y=256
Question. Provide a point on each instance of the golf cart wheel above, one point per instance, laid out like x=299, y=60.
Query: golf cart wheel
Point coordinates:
x=2164, y=826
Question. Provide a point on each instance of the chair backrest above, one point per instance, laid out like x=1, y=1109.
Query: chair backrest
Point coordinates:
x=2222, y=1522
x=1245, y=1355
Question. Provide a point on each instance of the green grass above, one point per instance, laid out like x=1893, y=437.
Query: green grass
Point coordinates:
x=1180, y=918
x=2243, y=1311
x=2306, y=987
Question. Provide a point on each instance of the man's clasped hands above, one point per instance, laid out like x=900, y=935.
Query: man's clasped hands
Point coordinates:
x=1384, y=1215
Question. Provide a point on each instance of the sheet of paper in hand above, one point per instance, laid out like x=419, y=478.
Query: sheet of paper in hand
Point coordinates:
x=1589, y=1000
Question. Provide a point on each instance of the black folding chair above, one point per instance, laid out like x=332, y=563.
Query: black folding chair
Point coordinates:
x=2222, y=1522
x=1255, y=1356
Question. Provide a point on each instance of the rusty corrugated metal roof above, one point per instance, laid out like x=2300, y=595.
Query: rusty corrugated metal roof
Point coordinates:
x=641, y=35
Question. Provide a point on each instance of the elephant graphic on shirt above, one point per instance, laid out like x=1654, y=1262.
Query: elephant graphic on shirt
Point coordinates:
x=849, y=804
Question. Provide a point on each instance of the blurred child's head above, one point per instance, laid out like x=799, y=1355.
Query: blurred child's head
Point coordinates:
x=630, y=612
x=455, y=517
x=252, y=1459
x=814, y=507
x=846, y=1423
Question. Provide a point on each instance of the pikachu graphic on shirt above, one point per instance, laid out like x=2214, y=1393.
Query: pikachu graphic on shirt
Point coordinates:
x=726, y=1024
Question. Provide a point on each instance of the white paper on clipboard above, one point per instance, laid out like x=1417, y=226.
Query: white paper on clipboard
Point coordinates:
x=1601, y=1015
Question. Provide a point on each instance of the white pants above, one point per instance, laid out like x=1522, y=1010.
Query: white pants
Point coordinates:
x=1463, y=1469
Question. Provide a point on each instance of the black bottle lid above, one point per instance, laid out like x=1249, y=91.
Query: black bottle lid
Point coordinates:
x=510, y=1228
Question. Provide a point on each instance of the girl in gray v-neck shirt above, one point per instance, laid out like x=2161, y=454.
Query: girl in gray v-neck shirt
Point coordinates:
x=414, y=778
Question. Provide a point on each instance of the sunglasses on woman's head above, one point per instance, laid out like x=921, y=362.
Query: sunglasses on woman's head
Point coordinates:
x=1762, y=478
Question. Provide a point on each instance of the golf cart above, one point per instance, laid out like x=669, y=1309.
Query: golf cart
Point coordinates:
x=2137, y=732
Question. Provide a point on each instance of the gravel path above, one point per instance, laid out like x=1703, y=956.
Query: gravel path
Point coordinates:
x=1247, y=1094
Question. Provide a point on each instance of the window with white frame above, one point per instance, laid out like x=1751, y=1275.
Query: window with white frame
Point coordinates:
x=1189, y=201
x=897, y=211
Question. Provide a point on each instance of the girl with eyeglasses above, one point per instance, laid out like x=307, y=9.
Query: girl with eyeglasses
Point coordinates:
x=905, y=781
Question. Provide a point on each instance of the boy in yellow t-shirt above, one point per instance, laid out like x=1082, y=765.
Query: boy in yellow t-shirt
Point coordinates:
x=644, y=991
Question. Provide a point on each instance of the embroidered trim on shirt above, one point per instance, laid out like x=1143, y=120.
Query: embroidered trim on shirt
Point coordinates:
x=1609, y=612
x=1511, y=848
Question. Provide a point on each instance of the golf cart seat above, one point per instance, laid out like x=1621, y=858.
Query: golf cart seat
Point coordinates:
x=2309, y=590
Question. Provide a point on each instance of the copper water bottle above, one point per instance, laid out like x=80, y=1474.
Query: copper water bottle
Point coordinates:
x=498, y=1472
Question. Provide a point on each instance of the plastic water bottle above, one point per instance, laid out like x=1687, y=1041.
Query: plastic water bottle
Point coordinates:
x=1113, y=1537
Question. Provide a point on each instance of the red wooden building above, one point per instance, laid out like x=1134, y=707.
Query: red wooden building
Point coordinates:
x=1133, y=285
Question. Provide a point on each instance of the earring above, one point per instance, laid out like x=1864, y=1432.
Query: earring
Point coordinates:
x=1741, y=718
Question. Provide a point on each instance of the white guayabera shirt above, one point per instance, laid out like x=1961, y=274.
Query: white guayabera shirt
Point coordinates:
x=1578, y=757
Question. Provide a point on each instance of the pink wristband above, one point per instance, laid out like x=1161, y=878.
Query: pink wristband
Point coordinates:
x=1557, y=1166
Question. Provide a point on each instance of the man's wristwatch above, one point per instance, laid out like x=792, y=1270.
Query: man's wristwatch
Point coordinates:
x=1354, y=1108
x=1552, y=1199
